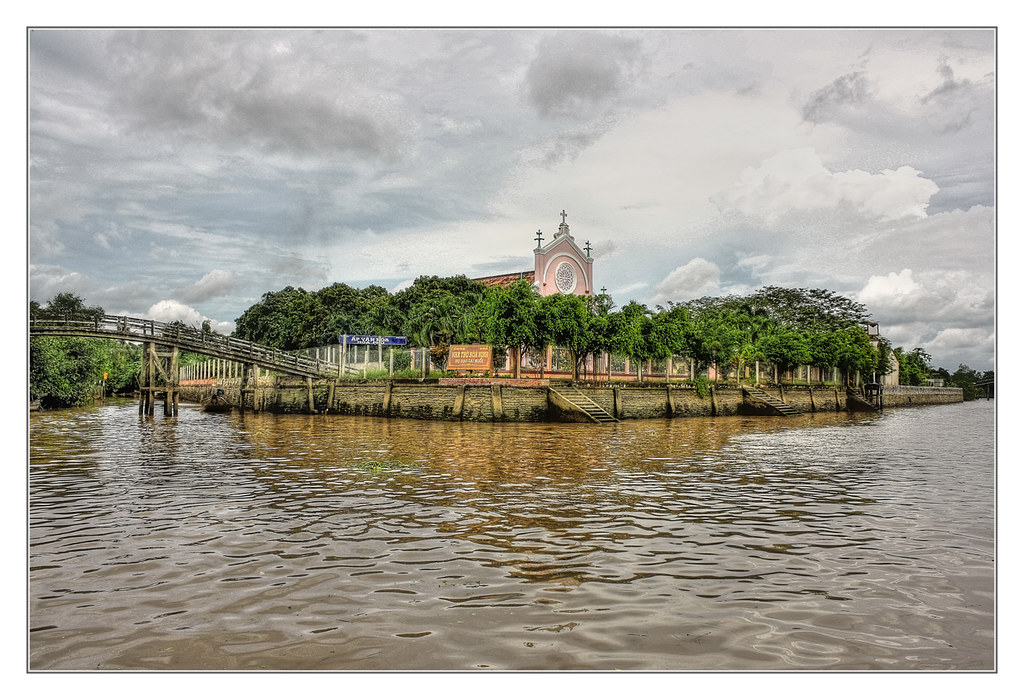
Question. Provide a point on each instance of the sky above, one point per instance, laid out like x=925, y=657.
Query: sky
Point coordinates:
x=181, y=174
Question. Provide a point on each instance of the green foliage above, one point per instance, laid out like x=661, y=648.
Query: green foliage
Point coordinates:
x=780, y=326
x=402, y=359
x=969, y=380
x=565, y=320
x=915, y=367
x=625, y=330
x=784, y=346
x=63, y=371
x=702, y=386
x=69, y=371
x=511, y=318
x=121, y=363
x=717, y=335
x=853, y=350
x=292, y=319
x=65, y=306
x=807, y=309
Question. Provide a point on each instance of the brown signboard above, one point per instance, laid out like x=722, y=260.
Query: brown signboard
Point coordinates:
x=478, y=358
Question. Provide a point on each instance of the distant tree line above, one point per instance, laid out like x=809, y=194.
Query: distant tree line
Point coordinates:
x=916, y=370
x=775, y=326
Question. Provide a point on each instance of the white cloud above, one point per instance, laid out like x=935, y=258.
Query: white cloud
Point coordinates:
x=695, y=279
x=967, y=345
x=170, y=310
x=889, y=289
x=213, y=284
x=950, y=314
x=796, y=182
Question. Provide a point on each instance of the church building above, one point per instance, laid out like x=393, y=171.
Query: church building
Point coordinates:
x=560, y=266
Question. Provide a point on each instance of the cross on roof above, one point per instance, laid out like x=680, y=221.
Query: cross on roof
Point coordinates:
x=539, y=238
x=588, y=249
x=563, y=216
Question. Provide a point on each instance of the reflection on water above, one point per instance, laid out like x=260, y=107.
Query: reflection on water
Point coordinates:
x=222, y=541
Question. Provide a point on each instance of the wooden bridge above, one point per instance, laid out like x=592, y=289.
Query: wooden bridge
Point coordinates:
x=162, y=343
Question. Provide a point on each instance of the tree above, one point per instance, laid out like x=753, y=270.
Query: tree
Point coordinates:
x=787, y=348
x=716, y=337
x=915, y=366
x=68, y=371
x=853, y=350
x=665, y=334
x=602, y=327
x=66, y=306
x=626, y=330
x=886, y=356
x=968, y=379
x=121, y=362
x=276, y=320
x=438, y=321
x=512, y=314
x=565, y=320
x=809, y=309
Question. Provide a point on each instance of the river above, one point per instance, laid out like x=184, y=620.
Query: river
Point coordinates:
x=245, y=542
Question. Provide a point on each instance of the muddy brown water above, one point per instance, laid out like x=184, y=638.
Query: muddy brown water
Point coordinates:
x=244, y=542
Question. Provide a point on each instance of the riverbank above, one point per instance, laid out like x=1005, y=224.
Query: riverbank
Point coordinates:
x=531, y=401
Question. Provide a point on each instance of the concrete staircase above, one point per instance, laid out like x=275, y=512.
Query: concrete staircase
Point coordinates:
x=581, y=403
x=855, y=401
x=778, y=405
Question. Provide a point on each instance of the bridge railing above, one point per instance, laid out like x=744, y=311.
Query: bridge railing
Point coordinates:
x=177, y=333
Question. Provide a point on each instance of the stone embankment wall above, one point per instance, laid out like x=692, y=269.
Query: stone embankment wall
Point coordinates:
x=893, y=396
x=528, y=402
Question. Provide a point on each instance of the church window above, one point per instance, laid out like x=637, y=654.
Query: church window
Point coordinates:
x=565, y=278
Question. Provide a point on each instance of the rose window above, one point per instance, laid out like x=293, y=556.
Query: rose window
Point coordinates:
x=565, y=278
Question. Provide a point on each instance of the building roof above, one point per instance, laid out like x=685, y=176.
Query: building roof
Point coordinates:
x=507, y=279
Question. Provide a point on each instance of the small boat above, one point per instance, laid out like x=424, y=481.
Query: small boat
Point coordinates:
x=217, y=403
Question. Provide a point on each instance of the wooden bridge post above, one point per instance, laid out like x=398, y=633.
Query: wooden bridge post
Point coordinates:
x=171, y=385
x=242, y=382
x=144, y=381
x=150, y=384
x=255, y=371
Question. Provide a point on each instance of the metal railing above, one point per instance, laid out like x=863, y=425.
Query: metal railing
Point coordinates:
x=180, y=335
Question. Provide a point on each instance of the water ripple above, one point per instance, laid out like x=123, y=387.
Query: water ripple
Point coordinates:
x=228, y=541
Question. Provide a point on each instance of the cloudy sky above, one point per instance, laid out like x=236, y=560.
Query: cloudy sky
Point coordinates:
x=180, y=174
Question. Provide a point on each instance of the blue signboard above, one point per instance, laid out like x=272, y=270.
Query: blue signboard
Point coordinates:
x=371, y=340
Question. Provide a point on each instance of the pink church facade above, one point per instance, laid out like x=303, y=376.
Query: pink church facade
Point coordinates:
x=562, y=266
